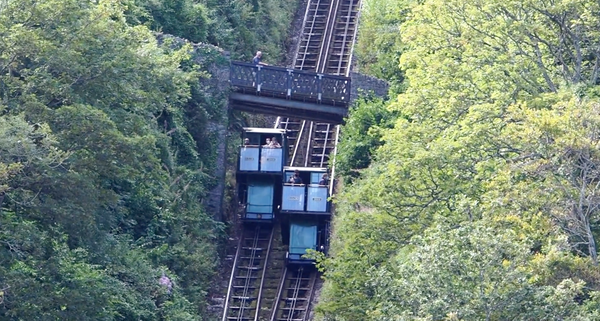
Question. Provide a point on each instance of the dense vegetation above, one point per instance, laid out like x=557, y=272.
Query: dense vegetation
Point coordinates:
x=242, y=27
x=481, y=201
x=106, y=156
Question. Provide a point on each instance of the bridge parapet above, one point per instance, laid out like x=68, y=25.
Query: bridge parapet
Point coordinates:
x=291, y=84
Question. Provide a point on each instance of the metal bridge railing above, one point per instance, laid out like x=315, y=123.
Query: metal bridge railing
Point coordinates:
x=291, y=84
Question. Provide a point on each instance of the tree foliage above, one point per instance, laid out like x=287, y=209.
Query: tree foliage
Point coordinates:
x=380, y=45
x=476, y=272
x=243, y=27
x=488, y=174
x=362, y=135
x=102, y=174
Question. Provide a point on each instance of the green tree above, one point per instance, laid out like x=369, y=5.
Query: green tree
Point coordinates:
x=556, y=168
x=241, y=27
x=103, y=181
x=379, y=44
x=476, y=272
x=361, y=135
x=491, y=126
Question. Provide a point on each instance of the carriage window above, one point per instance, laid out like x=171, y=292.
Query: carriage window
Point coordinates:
x=302, y=237
x=254, y=139
x=260, y=198
x=315, y=178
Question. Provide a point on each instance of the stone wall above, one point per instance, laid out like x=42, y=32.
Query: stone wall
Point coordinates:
x=364, y=84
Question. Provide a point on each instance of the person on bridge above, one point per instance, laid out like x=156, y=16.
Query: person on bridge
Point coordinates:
x=257, y=60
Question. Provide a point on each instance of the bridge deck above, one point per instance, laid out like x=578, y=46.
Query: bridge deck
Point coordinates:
x=288, y=92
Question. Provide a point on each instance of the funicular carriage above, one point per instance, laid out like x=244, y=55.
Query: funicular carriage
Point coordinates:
x=307, y=210
x=259, y=173
x=265, y=189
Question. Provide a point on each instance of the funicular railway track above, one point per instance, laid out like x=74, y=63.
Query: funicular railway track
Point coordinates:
x=339, y=52
x=322, y=144
x=295, y=294
x=314, y=142
x=328, y=32
x=245, y=285
x=314, y=32
x=296, y=142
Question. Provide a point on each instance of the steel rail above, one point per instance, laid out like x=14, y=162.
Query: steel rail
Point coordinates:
x=298, y=140
x=311, y=37
x=295, y=291
x=237, y=254
x=253, y=260
x=277, y=122
x=309, y=143
x=262, y=279
x=279, y=293
x=345, y=21
x=296, y=279
x=325, y=145
x=240, y=316
x=337, y=135
x=331, y=29
x=313, y=280
x=300, y=40
x=354, y=36
x=327, y=34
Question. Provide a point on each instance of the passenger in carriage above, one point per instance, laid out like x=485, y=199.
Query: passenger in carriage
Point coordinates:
x=267, y=143
x=324, y=180
x=296, y=179
x=274, y=143
x=246, y=141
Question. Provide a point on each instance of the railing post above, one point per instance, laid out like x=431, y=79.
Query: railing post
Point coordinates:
x=319, y=87
x=289, y=82
x=348, y=90
x=258, y=78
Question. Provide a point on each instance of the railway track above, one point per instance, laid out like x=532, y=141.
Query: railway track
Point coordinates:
x=245, y=285
x=295, y=294
x=339, y=52
x=328, y=34
x=322, y=144
x=315, y=30
x=295, y=129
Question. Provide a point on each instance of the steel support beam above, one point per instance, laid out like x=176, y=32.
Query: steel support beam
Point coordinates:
x=290, y=108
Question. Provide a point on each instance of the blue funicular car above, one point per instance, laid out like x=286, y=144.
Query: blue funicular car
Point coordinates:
x=306, y=233
x=305, y=191
x=305, y=205
x=257, y=196
x=257, y=155
x=303, y=237
x=259, y=172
